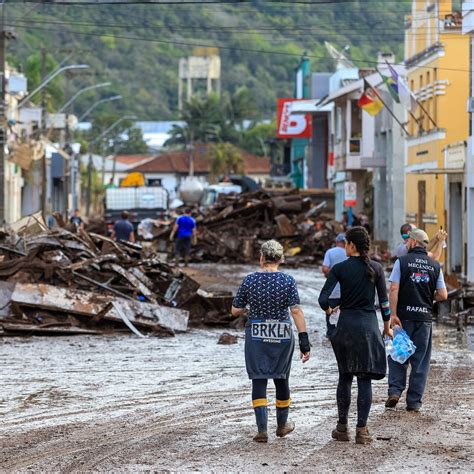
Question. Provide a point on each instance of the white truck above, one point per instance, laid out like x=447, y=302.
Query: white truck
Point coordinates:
x=141, y=202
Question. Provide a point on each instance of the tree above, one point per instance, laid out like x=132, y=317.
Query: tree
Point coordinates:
x=213, y=118
x=225, y=160
x=256, y=138
x=134, y=144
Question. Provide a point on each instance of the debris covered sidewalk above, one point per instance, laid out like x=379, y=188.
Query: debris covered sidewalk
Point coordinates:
x=59, y=282
x=233, y=229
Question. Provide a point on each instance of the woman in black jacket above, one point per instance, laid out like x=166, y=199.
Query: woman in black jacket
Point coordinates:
x=357, y=341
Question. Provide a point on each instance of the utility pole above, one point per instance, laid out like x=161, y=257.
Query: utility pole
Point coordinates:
x=44, y=164
x=2, y=112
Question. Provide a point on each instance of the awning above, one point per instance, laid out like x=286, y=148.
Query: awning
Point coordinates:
x=310, y=107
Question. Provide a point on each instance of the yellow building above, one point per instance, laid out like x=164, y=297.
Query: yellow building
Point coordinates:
x=437, y=63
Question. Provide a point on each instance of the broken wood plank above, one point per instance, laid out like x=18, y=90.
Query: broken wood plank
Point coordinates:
x=34, y=329
x=127, y=322
x=102, y=285
x=133, y=280
x=89, y=304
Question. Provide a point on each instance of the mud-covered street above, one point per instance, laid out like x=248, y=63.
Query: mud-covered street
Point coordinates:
x=120, y=403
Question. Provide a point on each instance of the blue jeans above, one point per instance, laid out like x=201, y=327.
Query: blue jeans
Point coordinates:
x=420, y=333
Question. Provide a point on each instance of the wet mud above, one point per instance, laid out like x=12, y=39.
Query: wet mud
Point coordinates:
x=123, y=404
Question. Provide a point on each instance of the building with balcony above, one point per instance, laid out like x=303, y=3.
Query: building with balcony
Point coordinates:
x=353, y=141
x=436, y=59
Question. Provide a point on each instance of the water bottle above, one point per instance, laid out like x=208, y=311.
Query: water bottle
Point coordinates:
x=388, y=344
x=334, y=318
x=402, y=347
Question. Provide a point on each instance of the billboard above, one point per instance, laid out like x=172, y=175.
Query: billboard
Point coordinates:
x=292, y=125
x=350, y=193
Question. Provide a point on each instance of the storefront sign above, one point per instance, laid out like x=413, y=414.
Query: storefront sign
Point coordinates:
x=292, y=126
x=456, y=156
x=350, y=193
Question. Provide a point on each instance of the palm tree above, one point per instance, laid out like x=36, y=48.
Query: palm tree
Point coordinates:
x=225, y=159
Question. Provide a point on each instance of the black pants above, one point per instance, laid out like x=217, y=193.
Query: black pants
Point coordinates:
x=259, y=389
x=183, y=246
x=364, y=398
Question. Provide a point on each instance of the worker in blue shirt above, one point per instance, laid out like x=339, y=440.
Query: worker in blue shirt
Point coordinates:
x=185, y=229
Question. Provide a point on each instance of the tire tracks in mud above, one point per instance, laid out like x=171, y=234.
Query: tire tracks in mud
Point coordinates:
x=160, y=424
x=89, y=458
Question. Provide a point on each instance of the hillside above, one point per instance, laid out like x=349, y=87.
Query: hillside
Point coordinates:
x=137, y=47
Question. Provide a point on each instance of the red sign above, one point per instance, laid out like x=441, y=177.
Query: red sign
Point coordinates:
x=292, y=125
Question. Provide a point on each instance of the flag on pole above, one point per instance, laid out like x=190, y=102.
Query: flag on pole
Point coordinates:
x=407, y=98
x=370, y=100
x=392, y=86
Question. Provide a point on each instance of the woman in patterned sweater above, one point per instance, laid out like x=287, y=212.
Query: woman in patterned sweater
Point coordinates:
x=268, y=297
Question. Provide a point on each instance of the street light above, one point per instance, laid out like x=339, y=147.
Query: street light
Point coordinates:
x=49, y=79
x=96, y=104
x=108, y=130
x=78, y=93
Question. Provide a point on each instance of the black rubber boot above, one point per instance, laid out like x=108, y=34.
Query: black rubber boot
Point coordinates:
x=284, y=426
x=261, y=417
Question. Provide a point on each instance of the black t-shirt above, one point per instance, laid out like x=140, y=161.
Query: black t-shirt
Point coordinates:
x=76, y=220
x=123, y=228
x=357, y=291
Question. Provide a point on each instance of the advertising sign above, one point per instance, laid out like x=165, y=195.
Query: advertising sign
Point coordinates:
x=350, y=193
x=292, y=126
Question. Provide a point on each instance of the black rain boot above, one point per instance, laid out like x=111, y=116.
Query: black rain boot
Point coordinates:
x=284, y=426
x=261, y=417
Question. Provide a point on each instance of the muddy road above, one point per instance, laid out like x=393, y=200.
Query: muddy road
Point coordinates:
x=120, y=403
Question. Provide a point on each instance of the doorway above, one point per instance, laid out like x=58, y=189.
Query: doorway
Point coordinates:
x=455, y=229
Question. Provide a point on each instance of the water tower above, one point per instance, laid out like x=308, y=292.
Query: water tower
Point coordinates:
x=199, y=72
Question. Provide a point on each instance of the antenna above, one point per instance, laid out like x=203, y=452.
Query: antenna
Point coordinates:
x=342, y=62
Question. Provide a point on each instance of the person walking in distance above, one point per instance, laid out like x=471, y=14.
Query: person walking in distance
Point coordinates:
x=333, y=256
x=416, y=280
x=185, y=229
x=357, y=341
x=269, y=297
x=123, y=229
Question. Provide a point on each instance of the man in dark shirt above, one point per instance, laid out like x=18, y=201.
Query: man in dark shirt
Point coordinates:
x=416, y=280
x=123, y=229
x=76, y=219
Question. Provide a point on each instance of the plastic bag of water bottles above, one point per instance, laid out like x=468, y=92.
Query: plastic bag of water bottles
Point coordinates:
x=401, y=348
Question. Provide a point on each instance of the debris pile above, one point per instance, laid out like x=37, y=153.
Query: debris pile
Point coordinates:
x=233, y=229
x=59, y=282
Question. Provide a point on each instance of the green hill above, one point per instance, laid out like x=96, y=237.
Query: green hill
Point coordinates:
x=137, y=47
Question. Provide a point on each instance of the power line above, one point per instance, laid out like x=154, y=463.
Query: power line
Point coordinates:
x=249, y=50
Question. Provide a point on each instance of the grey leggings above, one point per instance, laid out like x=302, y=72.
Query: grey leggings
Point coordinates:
x=364, y=398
